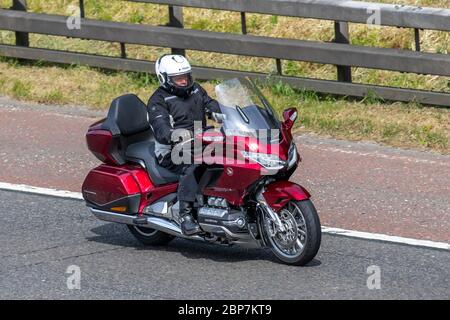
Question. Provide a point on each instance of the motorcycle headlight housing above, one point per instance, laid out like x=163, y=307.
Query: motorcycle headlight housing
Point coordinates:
x=268, y=161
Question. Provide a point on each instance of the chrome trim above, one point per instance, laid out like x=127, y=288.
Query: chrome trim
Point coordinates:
x=160, y=208
x=113, y=217
x=212, y=212
x=272, y=214
x=253, y=244
x=292, y=155
x=168, y=227
x=159, y=224
x=236, y=223
x=141, y=163
x=238, y=236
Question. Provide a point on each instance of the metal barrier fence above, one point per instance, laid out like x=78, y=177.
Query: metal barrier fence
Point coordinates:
x=339, y=52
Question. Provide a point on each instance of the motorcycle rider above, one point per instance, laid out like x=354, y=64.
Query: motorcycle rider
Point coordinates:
x=176, y=104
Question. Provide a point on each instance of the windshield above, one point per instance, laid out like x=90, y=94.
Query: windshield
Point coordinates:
x=247, y=112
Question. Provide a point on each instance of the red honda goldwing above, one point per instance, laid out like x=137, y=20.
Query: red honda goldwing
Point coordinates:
x=243, y=167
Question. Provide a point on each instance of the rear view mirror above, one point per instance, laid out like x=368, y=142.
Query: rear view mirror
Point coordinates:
x=289, y=117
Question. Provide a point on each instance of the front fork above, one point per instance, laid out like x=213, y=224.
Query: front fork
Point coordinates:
x=273, y=197
x=265, y=208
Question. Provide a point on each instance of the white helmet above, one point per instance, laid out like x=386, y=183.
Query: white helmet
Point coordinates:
x=171, y=65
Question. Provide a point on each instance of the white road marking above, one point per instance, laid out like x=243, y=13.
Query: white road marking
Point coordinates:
x=43, y=191
x=326, y=230
x=386, y=238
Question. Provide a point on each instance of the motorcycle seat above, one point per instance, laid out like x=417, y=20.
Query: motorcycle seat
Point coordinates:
x=145, y=151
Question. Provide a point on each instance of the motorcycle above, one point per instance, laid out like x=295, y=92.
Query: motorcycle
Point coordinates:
x=245, y=196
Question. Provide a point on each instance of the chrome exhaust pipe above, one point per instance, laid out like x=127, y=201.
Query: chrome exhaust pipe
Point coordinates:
x=165, y=226
x=156, y=223
x=112, y=217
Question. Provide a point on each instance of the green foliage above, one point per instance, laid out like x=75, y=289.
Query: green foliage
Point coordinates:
x=281, y=88
x=273, y=20
x=309, y=96
x=254, y=22
x=98, y=10
x=372, y=98
x=136, y=17
x=55, y=96
x=389, y=131
x=200, y=24
x=428, y=137
x=142, y=79
x=20, y=89
x=292, y=68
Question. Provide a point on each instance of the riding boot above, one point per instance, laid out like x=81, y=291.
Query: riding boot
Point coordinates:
x=189, y=226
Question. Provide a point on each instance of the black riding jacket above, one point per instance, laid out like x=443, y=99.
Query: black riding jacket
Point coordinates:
x=183, y=110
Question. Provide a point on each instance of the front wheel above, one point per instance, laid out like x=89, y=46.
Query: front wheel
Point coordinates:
x=150, y=237
x=299, y=243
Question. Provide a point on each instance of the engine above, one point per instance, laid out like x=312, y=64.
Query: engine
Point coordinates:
x=220, y=220
x=215, y=217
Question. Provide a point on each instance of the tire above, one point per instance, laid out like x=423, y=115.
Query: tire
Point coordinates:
x=312, y=239
x=150, y=237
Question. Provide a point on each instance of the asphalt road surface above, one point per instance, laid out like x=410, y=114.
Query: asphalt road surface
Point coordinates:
x=42, y=236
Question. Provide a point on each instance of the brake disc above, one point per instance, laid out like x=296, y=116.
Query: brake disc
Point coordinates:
x=287, y=239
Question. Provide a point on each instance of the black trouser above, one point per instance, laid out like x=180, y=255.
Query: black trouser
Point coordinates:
x=188, y=183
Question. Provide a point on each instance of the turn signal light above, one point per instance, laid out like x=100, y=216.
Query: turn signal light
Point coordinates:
x=119, y=209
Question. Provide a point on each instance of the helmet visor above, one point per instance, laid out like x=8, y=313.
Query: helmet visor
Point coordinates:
x=181, y=80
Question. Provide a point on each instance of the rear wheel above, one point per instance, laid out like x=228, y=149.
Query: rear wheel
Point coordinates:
x=300, y=241
x=150, y=237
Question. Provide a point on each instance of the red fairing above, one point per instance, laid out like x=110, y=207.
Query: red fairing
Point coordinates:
x=239, y=175
x=279, y=193
x=232, y=184
x=99, y=142
x=105, y=184
x=152, y=194
x=149, y=192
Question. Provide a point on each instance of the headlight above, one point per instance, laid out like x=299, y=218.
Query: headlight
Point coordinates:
x=292, y=155
x=268, y=161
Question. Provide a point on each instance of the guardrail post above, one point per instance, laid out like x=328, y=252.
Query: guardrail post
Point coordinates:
x=82, y=15
x=176, y=20
x=22, y=38
x=243, y=23
x=417, y=38
x=342, y=36
x=123, y=51
x=279, y=67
